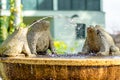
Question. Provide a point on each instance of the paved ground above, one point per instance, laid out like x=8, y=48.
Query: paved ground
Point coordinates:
x=0, y=78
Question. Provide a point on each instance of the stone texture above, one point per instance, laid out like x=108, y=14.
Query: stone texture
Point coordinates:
x=90, y=68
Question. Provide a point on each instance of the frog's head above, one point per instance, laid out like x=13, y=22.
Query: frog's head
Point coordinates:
x=41, y=25
x=91, y=31
x=100, y=31
x=94, y=34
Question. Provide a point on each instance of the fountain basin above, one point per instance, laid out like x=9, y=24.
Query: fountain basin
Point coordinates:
x=88, y=68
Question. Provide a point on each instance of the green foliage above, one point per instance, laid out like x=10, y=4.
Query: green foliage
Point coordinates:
x=11, y=27
x=22, y=25
x=3, y=28
x=13, y=11
x=60, y=46
x=7, y=25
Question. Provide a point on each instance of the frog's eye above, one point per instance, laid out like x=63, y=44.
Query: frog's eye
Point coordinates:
x=98, y=31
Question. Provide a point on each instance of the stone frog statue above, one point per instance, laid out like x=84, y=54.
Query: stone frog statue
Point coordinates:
x=99, y=42
x=16, y=44
x=39, y=38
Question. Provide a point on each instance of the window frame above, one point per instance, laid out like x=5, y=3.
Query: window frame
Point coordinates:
x=55, y=6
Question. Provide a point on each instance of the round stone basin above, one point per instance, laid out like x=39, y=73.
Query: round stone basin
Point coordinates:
x=61, y=68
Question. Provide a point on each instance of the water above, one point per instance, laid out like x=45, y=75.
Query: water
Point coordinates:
x=77, y=56
x=66, y=31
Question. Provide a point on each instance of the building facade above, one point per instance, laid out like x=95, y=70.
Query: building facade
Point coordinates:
x=69, y=18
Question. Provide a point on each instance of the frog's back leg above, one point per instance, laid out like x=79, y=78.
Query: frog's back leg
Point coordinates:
x=114, y=50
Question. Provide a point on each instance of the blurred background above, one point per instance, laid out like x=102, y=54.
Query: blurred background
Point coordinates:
x=69, y=18
x=112, y=15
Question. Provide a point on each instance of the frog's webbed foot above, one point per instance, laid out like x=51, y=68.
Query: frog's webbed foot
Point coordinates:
x=102, y=54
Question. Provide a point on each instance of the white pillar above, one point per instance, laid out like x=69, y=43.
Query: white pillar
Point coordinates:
x=101, y=5
x=18, y=13
x=55, y=4
x=3, y=4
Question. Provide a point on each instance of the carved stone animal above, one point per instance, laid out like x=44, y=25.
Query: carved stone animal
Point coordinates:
x=116, y=38
x=39, y=38
x=99, y=42
x=16, y=44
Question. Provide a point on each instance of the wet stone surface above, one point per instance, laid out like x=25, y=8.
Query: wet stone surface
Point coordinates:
x=76, y=56
x=62, y=67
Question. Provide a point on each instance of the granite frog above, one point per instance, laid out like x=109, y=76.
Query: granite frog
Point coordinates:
x=39, y=38
x=99, y=42
x=16, y=44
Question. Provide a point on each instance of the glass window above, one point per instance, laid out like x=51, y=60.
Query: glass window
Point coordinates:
x=93, y=5
x=80, y=31
x=0, y=4
x=37, y=4
x=45, y=5
x=78, y=4
x=29, y=4
x=64, y=4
